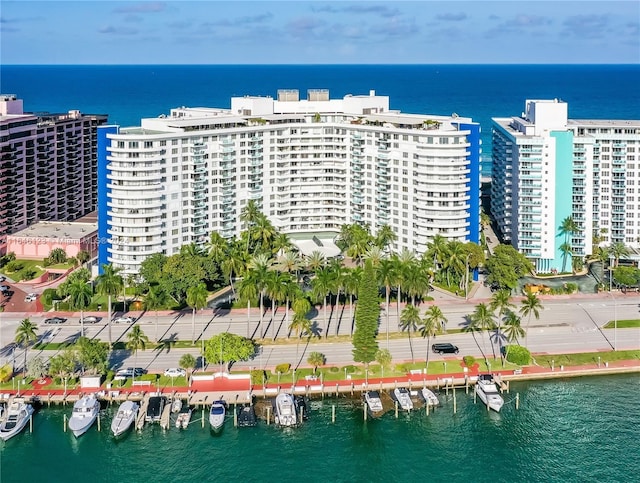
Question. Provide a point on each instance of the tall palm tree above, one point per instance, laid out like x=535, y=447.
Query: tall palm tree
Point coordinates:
x=432, y=323
x=26, y=334
x=401, y=261
x=80, y=295
x=155, y=299
x=218, y=247
x=483, y=320
x=300, y=323
x=416, y=281
x=501, y=301
x=264, y=233
x=259, y=266
x=618, y=250
x=233, y=265
x=281, y=243
x=249, y=291
x=321, y=287
x=565, y=249
x=385, y=237
x=289, y=262
x=350, y=284
x=409, y=321
x=453, y=261
x=196, y=299
x=530, y=306
x=315, y=261
x=436, y=249
x=276, y=291
x=387, y=277
x=512, y=329
x=291, y=291
x=136, y=339
x=109, y=283
x=375, y=254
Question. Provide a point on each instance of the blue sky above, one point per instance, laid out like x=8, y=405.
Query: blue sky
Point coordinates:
x=323, y=32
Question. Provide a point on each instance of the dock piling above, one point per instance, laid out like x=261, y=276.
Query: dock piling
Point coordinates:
x=475, y=395
x=31, y=423
x=426, y=408
x=364, y=407
x=333, y=413
x=268, y=415
x=64, y=422
x=396, y=405
x=517, y=400
x=203, y=416
x=455, y=401
x=235, y=416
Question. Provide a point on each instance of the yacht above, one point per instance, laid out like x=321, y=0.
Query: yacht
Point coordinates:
x=247, y=416
x=184, y=417
x=404, y=399
x=16, y=417
x=124, y=418
x=155, y=408
x=487, y=391
x=374, y=403
x=429, y=397
x=217, y=414
x=85, y=412
x=176, y=405
x=285, y=410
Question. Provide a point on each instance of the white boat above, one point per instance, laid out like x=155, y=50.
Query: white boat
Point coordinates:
x=488, y=392
x=124, y=418
x=404, y=399
x=374, y=403
x=15, y=418
x=429, y=397
x=85, y=412
x=285, y=410
x=184, y=417
x=217, y=414
x=176, y=405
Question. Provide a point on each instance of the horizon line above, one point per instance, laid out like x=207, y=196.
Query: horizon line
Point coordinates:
x=326, y=64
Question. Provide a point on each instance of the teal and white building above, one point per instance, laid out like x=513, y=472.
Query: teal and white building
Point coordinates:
x=547, y=168
x=312, y=165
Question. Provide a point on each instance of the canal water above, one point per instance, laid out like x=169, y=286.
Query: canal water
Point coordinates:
x=569, y=430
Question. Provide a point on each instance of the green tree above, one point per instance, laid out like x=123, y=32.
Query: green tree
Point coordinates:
x=565, y=249
x=512, y=329
x=629, y=276
x=506, y=266
x=156, y=299
x=80, y=295
x=384, y=358
x=152, y=268
x=188, y=363
x=258, y=268
x=92, y=354
x=247, y=290
x=228, y=348
x=196, y=299
x=63, y=365
x=277, y=292
x=618, y=250
x=409, y=321
x=432, y=323
x=501, y=301
x=57, y=255
x=365, y=344
x=136, y=340
x=316, y=359
x=109, y=283
x=385, y=237
x=36, y=367
x=387, y=277
x=26, y=334
x=530, y=306
x=321, y=288
x=351, y=283
x=315, y=261
x=83, y=256
x=482, y=320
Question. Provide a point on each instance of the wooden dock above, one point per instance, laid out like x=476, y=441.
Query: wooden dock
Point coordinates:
x=165, y=418
x=142, y=412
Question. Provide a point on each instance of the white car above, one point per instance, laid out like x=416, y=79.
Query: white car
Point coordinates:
x=175, y=372
x=123, y=320
x=90, y=320
x=31, y=297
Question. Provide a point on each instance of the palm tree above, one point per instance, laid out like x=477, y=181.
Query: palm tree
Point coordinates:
x=300, y=323
x=387, y=277
x=264, y=233
x=26, y=334
x=315, y=261
x=416, y=281
x=316, y=359
x=281, y=243
x=155, y=299
x=409, y=321
x=401, y=261
x=482, y=320
x=512, y=329
x=321, y=287
x=109, y=283
x=432, y=323
x=233, y=265
x=350, y=283
x=259, y=267
x=196, y=299
x=80, y=295
x=136, y=339
x=565, y=249
x=188, y=363
x=385, y=237
x=289, y=262
x=276, y=291
x=249, y=215
x=437, y=249
x=375, y=254
x=530, y=306
x=218, y=247
x=453, y=262
x=249, y=291
x=618, y=250
x=501, y=301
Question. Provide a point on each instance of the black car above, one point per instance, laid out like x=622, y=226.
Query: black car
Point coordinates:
x=444, y=348
x=55, y=320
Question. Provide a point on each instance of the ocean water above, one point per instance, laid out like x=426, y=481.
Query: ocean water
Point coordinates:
x=572, y=430
x=129, y=93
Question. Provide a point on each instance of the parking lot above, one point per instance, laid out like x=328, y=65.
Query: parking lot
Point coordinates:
x=15, y=299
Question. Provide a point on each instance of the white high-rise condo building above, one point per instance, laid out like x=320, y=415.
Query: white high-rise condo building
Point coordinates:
x=312, y=165
x=548, y=168
x=47, y=166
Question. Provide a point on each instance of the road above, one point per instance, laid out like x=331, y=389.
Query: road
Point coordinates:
x=564, y=326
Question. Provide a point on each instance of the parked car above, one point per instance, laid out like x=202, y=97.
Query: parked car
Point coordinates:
x=175, y=372
x=90, y=320
x=2, y=278
x=123, y=320
x=128, y=372
x=31, y=297
x=4, y=288
x=55, y=320
x=444, y=348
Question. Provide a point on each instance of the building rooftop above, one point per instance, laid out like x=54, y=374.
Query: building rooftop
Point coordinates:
x=57, y=229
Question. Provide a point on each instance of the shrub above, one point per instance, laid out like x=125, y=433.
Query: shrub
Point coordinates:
x=6, y=372
x=258, y=376
x=402, y=368
x=73, y=261
x=351, y=369
x=571, y=287
x=49, y=295
x=27, y=273
x=283, y=368
x=58, y=255
x=46, y=262
x=469, y=361
x=518, y=355
x=334, y=369
x=110, y=375
x=14, y=266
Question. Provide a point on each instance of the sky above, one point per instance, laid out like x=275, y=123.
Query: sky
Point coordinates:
x=319, y=32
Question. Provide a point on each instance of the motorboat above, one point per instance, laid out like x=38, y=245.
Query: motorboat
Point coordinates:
x=15, y=419
x=176, y=405
x=374, y=403
x=85, y=412
x=401, y=395
x=429, y=397
x=302, y=407
x=247, y=416
x=285, y=410
x=488, y=392
x=155, y=408
x=184, y=417
x=124, y=418
x=217, y=414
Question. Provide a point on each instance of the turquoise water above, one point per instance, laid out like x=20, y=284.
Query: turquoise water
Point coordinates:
x=568, y=430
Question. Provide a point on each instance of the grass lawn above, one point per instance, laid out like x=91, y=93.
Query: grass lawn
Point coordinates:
x=622, y=324
x=26, y=264
x=584, y=358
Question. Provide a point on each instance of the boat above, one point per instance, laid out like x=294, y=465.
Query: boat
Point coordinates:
x=374, y=403
x=302, y=407
x=155, y=408
x=247, y=416
x=15, y=419
x=429, y=397
x=184, y=417
x=217, y=414
x=85, y=412
x=285, y=410
x=124, y=418
x=401, y=395
x=176, y=405
x=487, y=391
